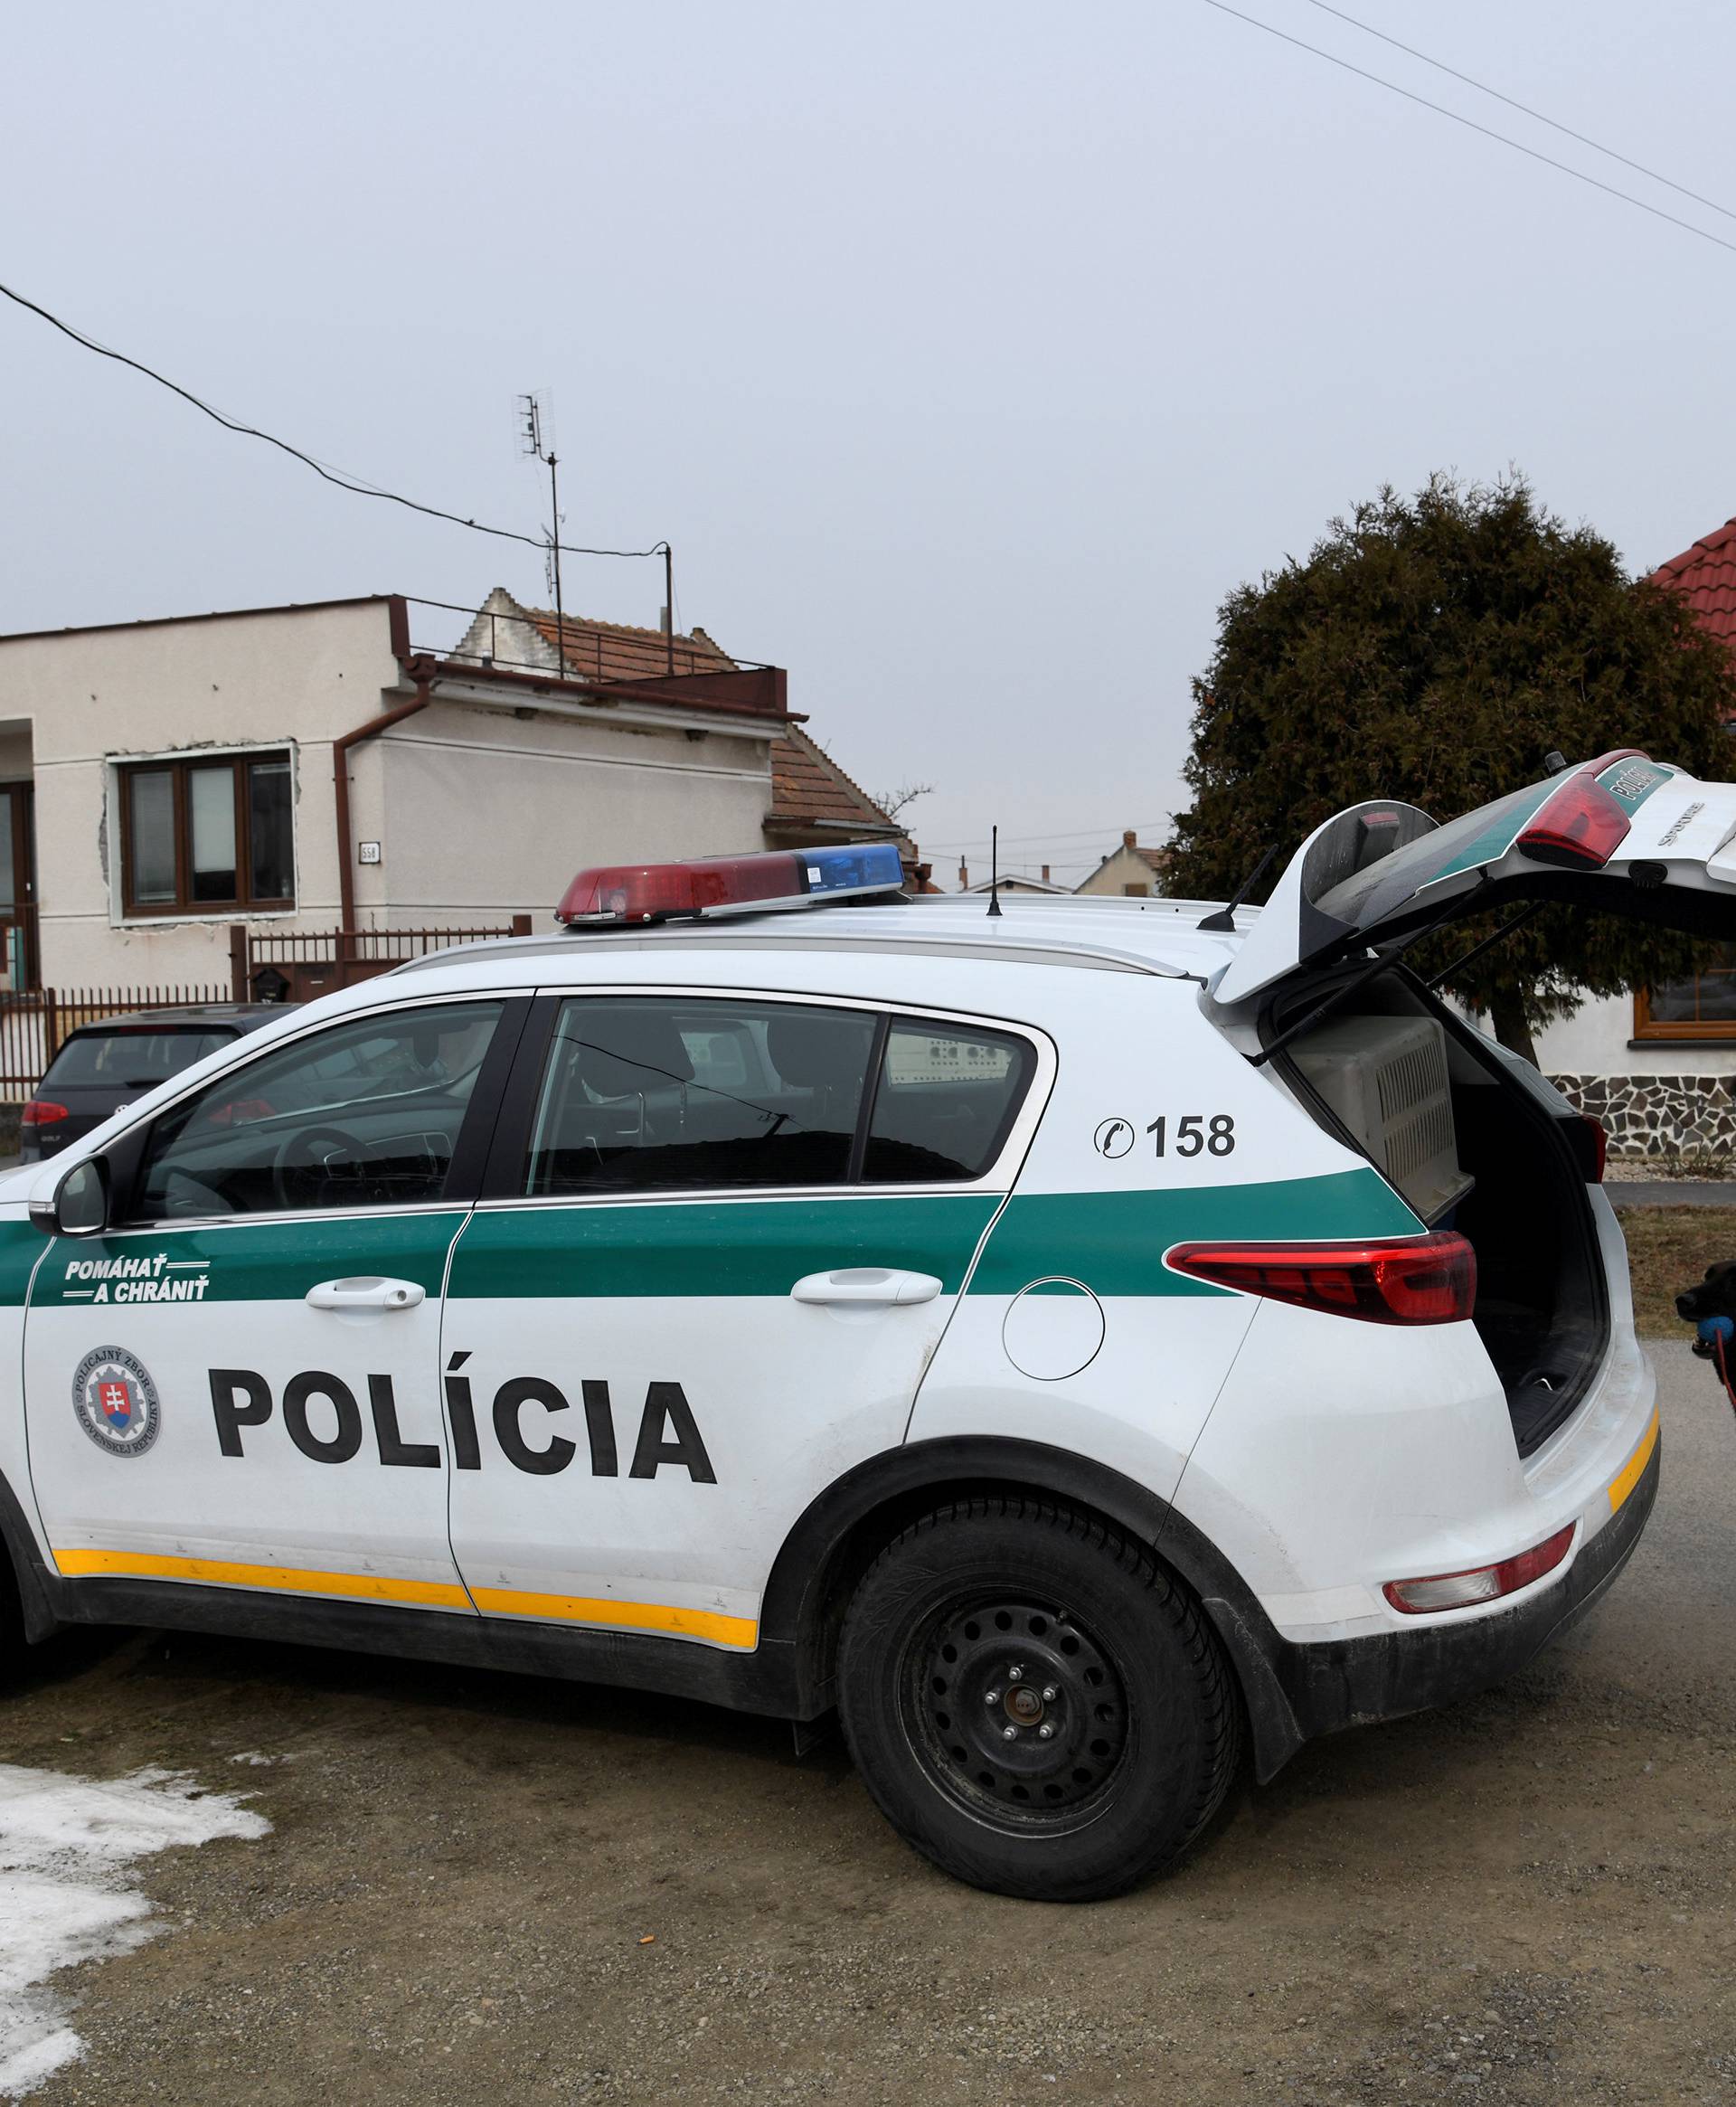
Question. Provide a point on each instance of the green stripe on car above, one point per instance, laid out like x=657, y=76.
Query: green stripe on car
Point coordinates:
x=241, y=1262
x=1115, y=1242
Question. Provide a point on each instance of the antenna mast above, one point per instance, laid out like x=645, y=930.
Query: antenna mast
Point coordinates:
x=536, y=442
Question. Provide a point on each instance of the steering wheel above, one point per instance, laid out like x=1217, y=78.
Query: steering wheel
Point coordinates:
x=303, y=1173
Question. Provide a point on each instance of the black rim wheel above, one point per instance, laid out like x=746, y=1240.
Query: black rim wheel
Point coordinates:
x=1016, y=1712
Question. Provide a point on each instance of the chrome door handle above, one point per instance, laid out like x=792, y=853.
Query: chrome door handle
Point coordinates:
x=366, y=1291
x=880, y=1287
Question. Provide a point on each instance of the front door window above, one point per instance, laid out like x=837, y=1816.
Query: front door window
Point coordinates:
x=365, y=1114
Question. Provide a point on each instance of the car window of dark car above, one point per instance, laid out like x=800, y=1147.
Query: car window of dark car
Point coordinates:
x=130, y=1059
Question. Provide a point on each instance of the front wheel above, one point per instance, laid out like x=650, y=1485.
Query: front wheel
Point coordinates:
x=1033, y=1702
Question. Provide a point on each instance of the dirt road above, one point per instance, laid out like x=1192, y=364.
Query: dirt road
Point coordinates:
x=1529, y=1898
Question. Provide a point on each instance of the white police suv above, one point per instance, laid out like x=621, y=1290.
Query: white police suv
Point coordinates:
x=1073, y=1342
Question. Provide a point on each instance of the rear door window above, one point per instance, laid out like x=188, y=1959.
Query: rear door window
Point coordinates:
x=655, y=1093
x=644, y=1094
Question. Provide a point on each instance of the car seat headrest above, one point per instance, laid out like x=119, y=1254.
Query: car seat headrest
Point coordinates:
x=816, y=1051
x=625, y=1052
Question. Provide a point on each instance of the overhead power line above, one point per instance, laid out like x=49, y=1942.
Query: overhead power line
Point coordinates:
x=1470, y=123
x=1027, y=840
x=340, y=476
x=1525, y=109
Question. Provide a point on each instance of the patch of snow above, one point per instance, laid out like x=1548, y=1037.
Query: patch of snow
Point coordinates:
x=64, y=1898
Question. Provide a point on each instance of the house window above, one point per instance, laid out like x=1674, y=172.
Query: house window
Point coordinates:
x=209, y=835
x=1701, y=1007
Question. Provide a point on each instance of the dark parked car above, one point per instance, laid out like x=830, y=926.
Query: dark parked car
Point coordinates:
x=101, y=1067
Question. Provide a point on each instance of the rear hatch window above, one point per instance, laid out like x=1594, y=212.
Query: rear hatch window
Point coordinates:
x=127, y=1059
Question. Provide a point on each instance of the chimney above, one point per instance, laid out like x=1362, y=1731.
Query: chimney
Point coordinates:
x=663, y=620
x=963, y=875
x=1045, y=873
x=1129, y=839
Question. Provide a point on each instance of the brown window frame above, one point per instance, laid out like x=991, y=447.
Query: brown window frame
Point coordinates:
x=178, y=767
x=1702, y=1030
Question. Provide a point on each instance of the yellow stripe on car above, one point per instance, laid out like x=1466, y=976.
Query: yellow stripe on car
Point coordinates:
x=216, y=1572
x=738, y=1631
x=709, y=1624
x=1634, y=1468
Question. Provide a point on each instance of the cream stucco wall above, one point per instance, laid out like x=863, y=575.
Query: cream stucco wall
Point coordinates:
x=1595, y=1041
x=534, y=799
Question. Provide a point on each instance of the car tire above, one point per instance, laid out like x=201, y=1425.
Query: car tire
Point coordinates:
x=1003, y=1613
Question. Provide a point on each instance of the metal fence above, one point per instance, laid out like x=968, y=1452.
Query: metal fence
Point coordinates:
x=300, y=964
x=32, y=1025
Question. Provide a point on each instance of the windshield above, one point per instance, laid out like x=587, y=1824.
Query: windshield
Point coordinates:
x=130, y=1059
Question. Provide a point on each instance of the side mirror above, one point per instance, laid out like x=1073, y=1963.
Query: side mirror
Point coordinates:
x=81, y=1203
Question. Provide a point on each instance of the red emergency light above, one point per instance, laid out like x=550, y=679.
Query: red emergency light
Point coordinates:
x=718, y=885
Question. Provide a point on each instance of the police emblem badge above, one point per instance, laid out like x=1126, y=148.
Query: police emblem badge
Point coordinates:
x=116, y=1400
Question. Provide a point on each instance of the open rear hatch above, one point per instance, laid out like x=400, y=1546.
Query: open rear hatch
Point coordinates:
x=1470, y=1135
x=1622, y=835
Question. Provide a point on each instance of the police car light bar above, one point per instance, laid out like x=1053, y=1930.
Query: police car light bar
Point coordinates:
x=719, y=886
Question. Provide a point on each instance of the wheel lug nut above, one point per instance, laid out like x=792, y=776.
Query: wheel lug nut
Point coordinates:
x=1009, y=1734
x=1016, y=1675
x=992, y=1698
x=1045, y=1731
x=1049, y=1693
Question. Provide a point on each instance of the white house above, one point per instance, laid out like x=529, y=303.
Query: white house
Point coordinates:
x=1128, y=869
x=378, y=763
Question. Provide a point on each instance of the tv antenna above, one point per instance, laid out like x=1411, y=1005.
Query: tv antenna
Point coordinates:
x=533, y=421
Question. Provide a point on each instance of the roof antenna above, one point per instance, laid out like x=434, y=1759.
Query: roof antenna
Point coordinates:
x=993, y=870
x=1225, y=917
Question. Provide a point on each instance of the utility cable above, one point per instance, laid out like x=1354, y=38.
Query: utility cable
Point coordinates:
x=341, y=477
x=1470, y=123
x=1524, y=109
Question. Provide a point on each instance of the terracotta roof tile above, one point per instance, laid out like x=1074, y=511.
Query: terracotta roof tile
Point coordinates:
x=808, y=786
x=1705, y=576
x=619, y=651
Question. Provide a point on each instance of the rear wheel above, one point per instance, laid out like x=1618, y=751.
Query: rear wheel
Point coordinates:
x=1034, y=1703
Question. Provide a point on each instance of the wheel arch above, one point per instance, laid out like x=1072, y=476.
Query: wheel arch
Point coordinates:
x=845, y=1527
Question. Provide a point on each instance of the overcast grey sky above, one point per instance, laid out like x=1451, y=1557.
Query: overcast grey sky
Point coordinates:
x=967, y=354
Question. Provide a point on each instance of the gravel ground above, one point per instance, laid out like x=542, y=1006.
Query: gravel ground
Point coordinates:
x=1528, y=1898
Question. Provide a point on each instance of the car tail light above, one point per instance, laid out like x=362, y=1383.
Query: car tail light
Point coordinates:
x=43, y=1112
x=1479, y=1583
x=1593, y=1148
x=1579, y=826
x=1417, y=1280
x=641, y=893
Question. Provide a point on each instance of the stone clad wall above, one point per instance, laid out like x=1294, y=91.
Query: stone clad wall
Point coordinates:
x=1659, y=1115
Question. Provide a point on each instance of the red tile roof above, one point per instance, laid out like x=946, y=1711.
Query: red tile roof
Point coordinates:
x=808, y=789
x=617, y=651
x=1705, y=576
